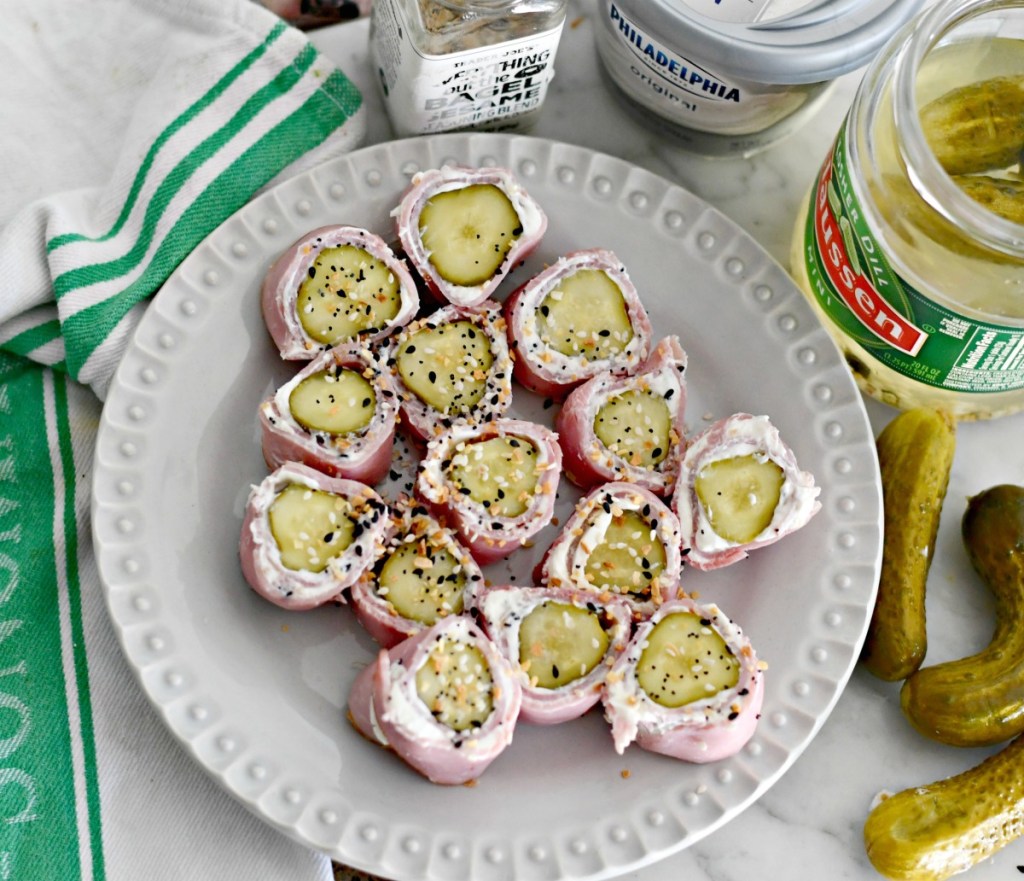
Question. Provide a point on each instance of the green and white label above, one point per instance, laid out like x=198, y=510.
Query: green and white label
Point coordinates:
x=873, y=305
x=49, y=790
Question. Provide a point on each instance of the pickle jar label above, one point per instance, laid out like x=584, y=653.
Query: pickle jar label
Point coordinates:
x=852, y=281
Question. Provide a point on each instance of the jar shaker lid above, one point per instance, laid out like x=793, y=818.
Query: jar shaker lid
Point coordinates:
x=818, y=41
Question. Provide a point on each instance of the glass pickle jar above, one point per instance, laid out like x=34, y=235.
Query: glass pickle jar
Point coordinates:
x=911, y=244
x=446, y=65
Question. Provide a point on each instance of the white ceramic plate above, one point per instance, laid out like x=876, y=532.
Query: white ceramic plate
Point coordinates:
x=257, y=694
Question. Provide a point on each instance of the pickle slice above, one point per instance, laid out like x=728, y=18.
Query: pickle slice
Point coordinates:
x=423, y=583
x=347, y=293
x=337, y=401
x=559, y=643
x=468, y=232
x=310, y=527
x=585, y=315
x=499, y=473
x=739, y=495
x=455, y=683
x=629, y=557
x=685, y=660
x=446, y=366
x=635, y=426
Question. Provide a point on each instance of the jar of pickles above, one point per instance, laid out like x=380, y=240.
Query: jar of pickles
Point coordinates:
x=911, y=243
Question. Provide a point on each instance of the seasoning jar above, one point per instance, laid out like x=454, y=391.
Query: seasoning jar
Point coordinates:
x=731, y=77
x=911, y=243
x=446, y=65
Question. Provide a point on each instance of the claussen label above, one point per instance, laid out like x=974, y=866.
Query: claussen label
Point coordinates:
x=854, y=284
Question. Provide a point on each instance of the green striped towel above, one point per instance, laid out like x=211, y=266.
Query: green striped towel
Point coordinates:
x=130, y=130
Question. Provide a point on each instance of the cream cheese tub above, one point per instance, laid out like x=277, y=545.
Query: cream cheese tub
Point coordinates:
x=730, y=77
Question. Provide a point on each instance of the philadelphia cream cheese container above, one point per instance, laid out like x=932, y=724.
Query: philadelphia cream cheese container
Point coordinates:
x=730, y=77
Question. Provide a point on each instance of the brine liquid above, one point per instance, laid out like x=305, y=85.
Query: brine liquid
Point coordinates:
x=930, y=318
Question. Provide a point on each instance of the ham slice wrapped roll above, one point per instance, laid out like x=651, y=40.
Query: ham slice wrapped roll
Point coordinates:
x=495, y=483
x=563, y=643
x=622, y=541
x=628, y=428
x=337, y=284
x=444, y=700
x=578, y=318
x=421, y=575
x=739, y=488
x=306, y=537
x=338, y=415
x=464, y=229
x=689, y=685
x=452, y=366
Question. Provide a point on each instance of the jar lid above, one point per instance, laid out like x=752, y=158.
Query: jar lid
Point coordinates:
x=778, y=41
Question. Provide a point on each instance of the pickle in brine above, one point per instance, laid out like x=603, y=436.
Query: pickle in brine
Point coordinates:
x=915, y=454
x=1000, y=196
x=978, y=127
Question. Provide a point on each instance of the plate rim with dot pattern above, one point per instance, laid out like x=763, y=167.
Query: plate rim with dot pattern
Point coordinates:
x=230, y=646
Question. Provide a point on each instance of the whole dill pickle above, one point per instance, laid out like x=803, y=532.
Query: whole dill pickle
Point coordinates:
x=1000, y=196
x=915, y=454
x=928, y=833
x=913, y=220
x=978, y=127
x=979, y=700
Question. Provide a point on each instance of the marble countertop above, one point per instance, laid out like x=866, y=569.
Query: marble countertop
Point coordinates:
x=809, y=824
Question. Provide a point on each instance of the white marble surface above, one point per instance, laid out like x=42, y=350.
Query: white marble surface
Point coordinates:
x=809, y=825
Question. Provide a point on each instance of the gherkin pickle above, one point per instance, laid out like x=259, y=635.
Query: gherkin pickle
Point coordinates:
x=1000, y=196
x=915, y=454
x=928, y=833
x=978, y=127
x=979, y=700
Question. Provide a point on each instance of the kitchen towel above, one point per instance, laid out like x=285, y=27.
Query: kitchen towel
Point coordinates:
x=130, y=130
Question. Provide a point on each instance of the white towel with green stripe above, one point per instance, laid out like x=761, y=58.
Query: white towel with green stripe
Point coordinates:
x=130, y=130
x=133, y=130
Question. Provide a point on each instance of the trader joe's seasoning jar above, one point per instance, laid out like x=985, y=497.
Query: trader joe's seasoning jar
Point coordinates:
x=911, y=243
x=444, y=65
x=729, y=77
